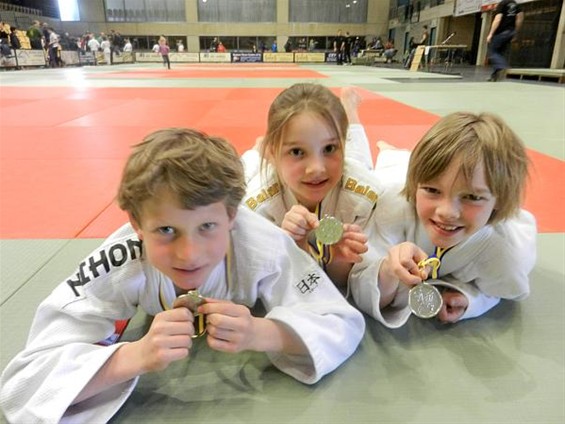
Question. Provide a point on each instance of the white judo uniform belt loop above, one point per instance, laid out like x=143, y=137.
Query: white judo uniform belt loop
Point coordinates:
x=425, y=300
x=192, y=300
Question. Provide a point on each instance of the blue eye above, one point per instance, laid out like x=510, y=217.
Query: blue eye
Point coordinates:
x=167, y=231
x=208, y=226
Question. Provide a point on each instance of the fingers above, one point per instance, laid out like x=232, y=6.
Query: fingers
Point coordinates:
x=298, y=222
x=403, y=260
x=454, y=306
x=229, y=326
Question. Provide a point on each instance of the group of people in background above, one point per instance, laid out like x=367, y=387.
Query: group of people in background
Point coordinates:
x=505, y=26
x=41, y=36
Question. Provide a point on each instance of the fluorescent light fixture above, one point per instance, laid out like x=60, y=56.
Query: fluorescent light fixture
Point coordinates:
x=68, y=10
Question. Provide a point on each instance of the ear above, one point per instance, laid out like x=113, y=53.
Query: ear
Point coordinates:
x=270, y=155
x=232, y=214
x=135, y=225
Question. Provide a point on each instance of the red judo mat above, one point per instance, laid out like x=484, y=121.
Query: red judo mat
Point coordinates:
x=62, y=149
x=242, y=71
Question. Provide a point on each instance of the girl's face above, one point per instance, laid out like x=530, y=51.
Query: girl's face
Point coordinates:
x=310, y=162
x=452, y=208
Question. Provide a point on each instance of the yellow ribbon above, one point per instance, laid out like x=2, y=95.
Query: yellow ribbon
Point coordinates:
x=432, y=262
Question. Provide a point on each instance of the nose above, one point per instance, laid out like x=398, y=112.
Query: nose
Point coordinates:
x=186, y=249
x=316, y=165
x=449, y=209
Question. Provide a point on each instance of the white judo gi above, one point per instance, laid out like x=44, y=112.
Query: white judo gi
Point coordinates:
x=353, y=201
x=68, y=341
x=491, y=265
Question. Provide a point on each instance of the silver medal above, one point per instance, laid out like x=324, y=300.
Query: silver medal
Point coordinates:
x=425, y=300
x=329, y=231
x=192, y=300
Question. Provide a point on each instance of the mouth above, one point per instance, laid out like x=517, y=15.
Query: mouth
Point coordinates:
x=445, y=228
x=315, y=183
x=188, y=271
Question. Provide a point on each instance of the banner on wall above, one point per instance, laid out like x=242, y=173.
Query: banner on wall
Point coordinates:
x=215, y=57
x=184, y=57
x=278, y=57
x=69, y=57
x=31, y=58
x=331, y=57
x=466, y=7
x=123, y=57
x=9, y=61
x=306, y=57
x=247, y=57
x=86, y=58
x=148, y=57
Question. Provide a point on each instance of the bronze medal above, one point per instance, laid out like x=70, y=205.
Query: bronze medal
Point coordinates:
x=192, y=300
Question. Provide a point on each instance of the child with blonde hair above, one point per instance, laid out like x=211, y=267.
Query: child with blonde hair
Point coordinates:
x=460, y=206
x=306, y=175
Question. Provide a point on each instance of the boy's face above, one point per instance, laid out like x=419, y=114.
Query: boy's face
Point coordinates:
x=184, y=244
x=310, y=163
x=451, y=208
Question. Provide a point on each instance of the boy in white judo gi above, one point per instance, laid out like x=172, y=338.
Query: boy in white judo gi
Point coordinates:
x=181, y=190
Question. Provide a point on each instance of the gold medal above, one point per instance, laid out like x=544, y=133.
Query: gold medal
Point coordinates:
x=192, y=300
x=329, y=230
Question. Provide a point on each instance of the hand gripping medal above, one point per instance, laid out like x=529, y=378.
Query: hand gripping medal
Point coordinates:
x=425, y=300
x=329, y=230
x=192, y=300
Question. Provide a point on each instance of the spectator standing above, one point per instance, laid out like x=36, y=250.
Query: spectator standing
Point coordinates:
x=106, y=47
x=312, y=45
x=347, y=49
x=5, y=32
x=116, y=44
x=339, y=47
x=214, y=45
x=54, y=49
x=14, y=40
x=34, y=35
x=507, y=22
x=93, y=44
x=127, y=46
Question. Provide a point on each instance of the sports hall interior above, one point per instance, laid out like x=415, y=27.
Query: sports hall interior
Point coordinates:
x=66, y=132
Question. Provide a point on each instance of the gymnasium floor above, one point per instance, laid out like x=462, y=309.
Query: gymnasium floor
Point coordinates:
x=65, y=133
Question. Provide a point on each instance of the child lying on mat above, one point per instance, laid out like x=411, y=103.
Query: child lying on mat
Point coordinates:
x=460, y=206
x=300, y=175
x=181, y=190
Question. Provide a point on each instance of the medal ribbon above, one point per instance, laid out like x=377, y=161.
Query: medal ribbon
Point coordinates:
x=434, y=261
x=320, y=252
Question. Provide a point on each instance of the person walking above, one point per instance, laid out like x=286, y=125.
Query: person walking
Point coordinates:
x=508, y=19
